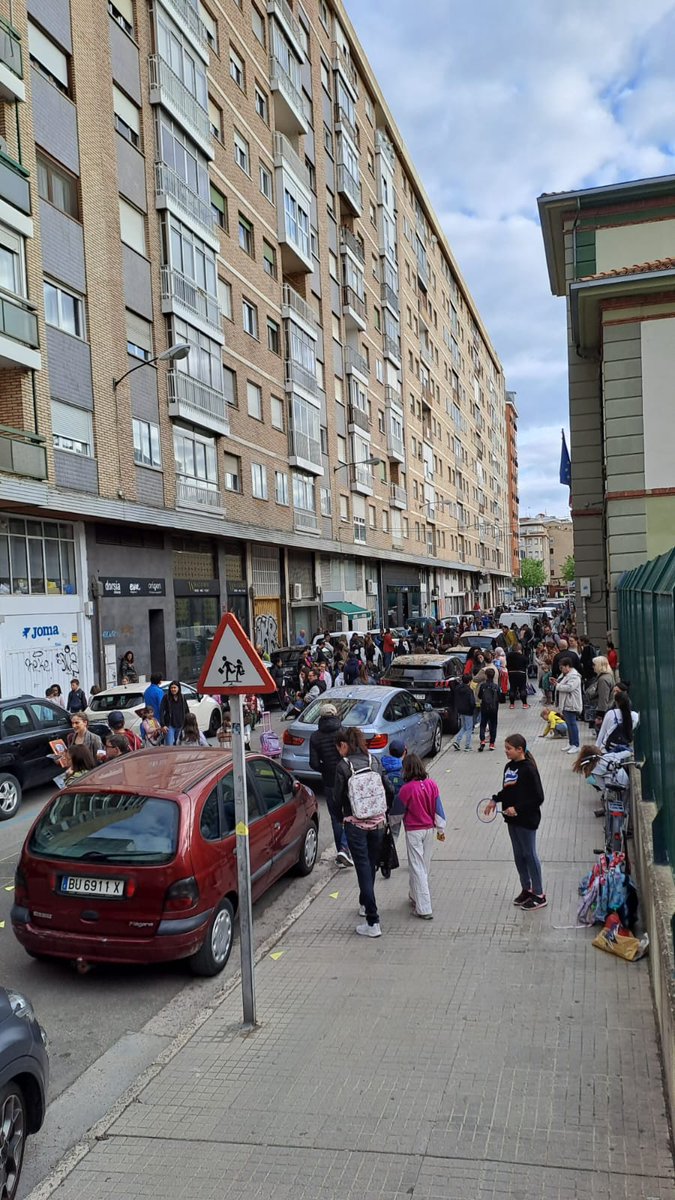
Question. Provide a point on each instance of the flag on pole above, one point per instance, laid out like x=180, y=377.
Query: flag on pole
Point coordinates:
x=565, y=463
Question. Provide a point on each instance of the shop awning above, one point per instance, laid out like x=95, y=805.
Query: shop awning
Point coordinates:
x=347, y=608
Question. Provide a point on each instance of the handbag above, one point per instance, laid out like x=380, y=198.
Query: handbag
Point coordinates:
x=388, y=854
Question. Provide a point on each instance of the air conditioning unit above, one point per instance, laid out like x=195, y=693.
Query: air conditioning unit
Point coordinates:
x=371, y=587
x=297, y=591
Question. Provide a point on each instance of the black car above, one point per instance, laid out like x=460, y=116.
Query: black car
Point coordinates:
x=24, y=1079
x=28, y=726
x=291, y=658
x=431, y=678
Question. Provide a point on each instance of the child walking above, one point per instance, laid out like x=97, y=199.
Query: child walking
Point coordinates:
x=488, y=695
x=465, y=706
x=521, y=798
x=423, y=815
x=190, y=734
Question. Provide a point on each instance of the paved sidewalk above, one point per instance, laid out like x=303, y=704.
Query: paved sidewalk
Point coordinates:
x=490, y=1053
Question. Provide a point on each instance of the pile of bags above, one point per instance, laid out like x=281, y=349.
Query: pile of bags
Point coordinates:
x=609, y=898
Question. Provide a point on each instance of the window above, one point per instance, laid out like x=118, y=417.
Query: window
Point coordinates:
x=372, y=516
x=385, y=521
x=323, y=14
x=215, y=120
x=333, y=266
x=196, y=458
x=371, y=163
x=246, y=235
x=57, y=187
x=359, y=529
x=341, y=449
x=376, y=318
x=249, y=318
x=281, y=487
x=303, y=492
x=232, y=468
x=230, y=386
x=379, y=370
x=328, y=141
x=273, y=336
x=219, y=208
x=370, y=112
x=146, y=444
x=241, y=153
x=262, y=105
x=225, y=298
x=210, y=26
x=48, y=59
x=259, y=481
x=12, y=277
x=258, y=24
x=325, y=502
x=36, y=556
x=372, y=212
x=297, y=223
x=132, y=227
x=181, y=58
x=205, y=361
x=325, y=76
x=72, y=429
x=63, y=310
x=127, y=117
x=266, y=183
x=406, y=527
x=277, y=413
x=237, y=69
x=344, y=508
x=122, y=12
x=254, y=400
x=139, y=336
x=269, y=260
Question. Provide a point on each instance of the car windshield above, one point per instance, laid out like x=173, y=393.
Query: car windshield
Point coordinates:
x=421, y=671
x=108, y=827
x=106, y=701
x=349, y=711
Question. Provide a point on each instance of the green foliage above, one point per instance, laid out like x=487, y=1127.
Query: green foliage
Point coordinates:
x=531, y=573
x=568, y=571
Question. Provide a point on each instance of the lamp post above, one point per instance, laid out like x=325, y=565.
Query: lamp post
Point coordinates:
x=373, y=461
x=180, y=350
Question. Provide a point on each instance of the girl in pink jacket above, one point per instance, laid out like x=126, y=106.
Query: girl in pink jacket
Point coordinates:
x=423, y=816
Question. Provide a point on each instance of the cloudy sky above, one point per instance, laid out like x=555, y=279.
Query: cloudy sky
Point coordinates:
x=499, y=103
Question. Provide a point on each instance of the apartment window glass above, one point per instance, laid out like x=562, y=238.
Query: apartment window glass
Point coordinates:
x=225, y=298
x=132, y=227
x=273, y=336
x=262, y=105
x=237, y=68
x=63, y=310
x=57, y=187
x=72, y=429
x=122, y=12
x=215, y=120
x=241, y=153
x=230, y=386
x=232, y=469
x=219, y=208
x=281, y=487
x=297, y=222
x=385, y=521
x=127, y=117
x=277, y=412
x=259, y=481
x=192, y=257
x=359, y=529
x=304, y=496
x=372, y=516
x=204, y=361
x=36, y=556
x=258, y=24
x=11, y=262
x=211, y=27
x=323, y=14
x=325, y=502
x=302, y=348
x=344, y=508
x=249, y=318
x=196, y=457
x=325, y=76
x=266, y=183
x=182, y=156
x=254, y=400
x=146, y=443
x=341, y=449
x=182, y=60
x=48, y=58
x=246, y=235
x=269, y=260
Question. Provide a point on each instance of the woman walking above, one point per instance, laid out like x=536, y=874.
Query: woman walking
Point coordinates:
x=355, y=788
x=422, y=816
x=173, y=711
x=521, y=798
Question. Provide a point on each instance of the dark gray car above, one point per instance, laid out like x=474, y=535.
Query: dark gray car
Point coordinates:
x=24, y=1078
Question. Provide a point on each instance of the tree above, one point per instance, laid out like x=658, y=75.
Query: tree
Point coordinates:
x=531, y=573
x=569, y=569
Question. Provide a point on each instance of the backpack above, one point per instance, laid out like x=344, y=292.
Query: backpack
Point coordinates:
x=616, y=739
x=351, y=672
x=490, y=698
x=270, y=744
x=367, y=797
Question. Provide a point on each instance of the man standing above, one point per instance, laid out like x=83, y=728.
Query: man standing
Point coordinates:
x=388, y=647
x=153, y=696
x=324, y=758
x=77, y=701
x=569, y=701
x=516, y=665
x=301, y=639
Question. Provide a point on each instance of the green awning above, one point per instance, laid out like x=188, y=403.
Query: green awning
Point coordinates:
x=347, y=608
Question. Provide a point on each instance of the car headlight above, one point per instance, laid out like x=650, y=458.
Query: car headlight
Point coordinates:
x=21, y=1006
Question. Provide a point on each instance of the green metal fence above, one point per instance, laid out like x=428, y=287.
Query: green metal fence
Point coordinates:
x=646, y=598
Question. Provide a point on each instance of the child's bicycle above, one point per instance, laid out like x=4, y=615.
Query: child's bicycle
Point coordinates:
x=615, y=802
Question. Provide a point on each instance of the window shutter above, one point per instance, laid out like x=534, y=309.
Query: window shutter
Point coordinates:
x=68, y=421
x=47, y=54
x=126, y=8
x=132, y=227
x=139, y=331
x=124, y=108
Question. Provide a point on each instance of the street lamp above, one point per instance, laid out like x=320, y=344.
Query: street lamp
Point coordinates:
x=373, y=461
x=180, y=350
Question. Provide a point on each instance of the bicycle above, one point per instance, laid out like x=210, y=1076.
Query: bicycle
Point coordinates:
x=615, y=800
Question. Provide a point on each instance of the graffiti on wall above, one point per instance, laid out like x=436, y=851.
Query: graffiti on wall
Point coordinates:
x=266, y=632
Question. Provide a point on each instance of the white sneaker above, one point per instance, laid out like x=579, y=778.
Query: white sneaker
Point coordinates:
x=369, y=930
x=573, y=750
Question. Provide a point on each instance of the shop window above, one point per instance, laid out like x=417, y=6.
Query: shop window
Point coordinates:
x=36, y=557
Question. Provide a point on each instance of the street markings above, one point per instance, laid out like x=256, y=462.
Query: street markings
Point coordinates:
x=333, y=895
x=9, y=887
x=276, y=955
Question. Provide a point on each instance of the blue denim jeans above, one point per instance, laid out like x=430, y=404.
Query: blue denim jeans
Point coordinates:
x=338, y=827
x=172, y=736
x=524, y=843
x=572, y=722
x=465, y=730
x=365, y=847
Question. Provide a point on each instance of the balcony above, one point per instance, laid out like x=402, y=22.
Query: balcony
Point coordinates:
x=170, y=190
x=19, y=340
x=423, y=271
x=167, y=89
x=281, y=9
x=393, y=397
x=11, y=64
x=389, y=297
x=350, y=242
x=300, y=376
x=196, y=493
x=395, y=444
x=182, y=296
x=194, y=401
x=428, y=390
x=392, y=349
x=354, y=308
x=22, y=453
x=304, y=452
x=427, y=433
x=398, y=497
x=343, y=64
x=305, y=522
x=356, y=364
x=294, y=306
x=290, y=108
x=361, y=479
x=426, y=355
x=189, y=21
x=344, y=123
x=359, y=418
x=384, y=146
x=429, y=511
x=285, y=155
x=15, y=188
x=350, y=189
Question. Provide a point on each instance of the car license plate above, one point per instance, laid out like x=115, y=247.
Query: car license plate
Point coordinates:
x=83, y=885
x=419, y=695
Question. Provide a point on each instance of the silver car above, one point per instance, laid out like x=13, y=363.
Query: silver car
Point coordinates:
x=384, y=714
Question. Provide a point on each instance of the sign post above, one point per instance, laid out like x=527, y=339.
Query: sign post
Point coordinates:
x=233, y=668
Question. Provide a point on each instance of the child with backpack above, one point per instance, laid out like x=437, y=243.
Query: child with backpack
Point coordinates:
x=392, y=766
x=488, y=696
x=361, y=797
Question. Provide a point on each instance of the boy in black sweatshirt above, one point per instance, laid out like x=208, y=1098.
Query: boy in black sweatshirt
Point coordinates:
x=521, y=798
x=465, y=704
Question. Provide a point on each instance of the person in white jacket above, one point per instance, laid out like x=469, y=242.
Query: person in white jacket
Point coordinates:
x=569, y=701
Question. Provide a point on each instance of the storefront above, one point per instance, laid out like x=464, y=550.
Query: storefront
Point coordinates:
x=266, y=583
x=196, y=590
x=303, y=600
x=401, y=587
x=233, y=571
x=346, y=617
x=45, y=626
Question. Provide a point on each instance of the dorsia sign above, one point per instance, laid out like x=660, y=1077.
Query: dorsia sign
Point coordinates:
x=117, y=586
x=232, y=664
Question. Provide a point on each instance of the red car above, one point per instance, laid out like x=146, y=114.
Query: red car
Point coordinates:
x=135, y=862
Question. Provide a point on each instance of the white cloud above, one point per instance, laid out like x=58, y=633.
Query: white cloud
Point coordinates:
x=500, y=103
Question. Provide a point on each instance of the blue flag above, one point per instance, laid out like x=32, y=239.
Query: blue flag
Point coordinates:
x=565, y=463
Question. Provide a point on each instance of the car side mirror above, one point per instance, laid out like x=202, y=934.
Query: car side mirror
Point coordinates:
x=296, y=786
x=428, y=708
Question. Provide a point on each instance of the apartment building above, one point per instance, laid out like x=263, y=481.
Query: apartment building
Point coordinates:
x=534, y=543
x=548, y=540
x=240, y=368
x=560, y=549
x=512, y=479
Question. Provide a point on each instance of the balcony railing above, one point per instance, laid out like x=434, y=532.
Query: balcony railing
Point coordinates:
x=22, y=453
x=178, y=287
x=393, y=396
x=344, y=64
x=194, y=493
x=359, y=418
x=301, y=445
x=358, y=304
x=193, y=400
x=283, y=10
x=426, y=355
x=349, y=186
x=282, y=82
x=302, y=376
x=349, y=240
x=385, y=147
x=306, y=521
x=18, y=320
x=423, y=271
x=428, y=390
x=398, y=495
x=395, y=444
x=392, y=347
x=299, y=307
x=168, y=183
x=14, y=185
x=171, y=90
x=284, y=152
x=355, y=361
x=390, y=298
x=343, y=119
x=10, y=49
x=188, y=16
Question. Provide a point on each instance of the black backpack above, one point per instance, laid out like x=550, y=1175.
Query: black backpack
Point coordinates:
x=489, y=698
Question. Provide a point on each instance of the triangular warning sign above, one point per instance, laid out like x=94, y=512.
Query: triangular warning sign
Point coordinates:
x=232, y=665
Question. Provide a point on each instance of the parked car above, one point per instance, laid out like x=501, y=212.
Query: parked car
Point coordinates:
x=291, y=657
x=28, y=726
x=24, y=1079
x=431, y=678
x=136, y=861
x=128, y=697
x=485, y=639
x=385, y=714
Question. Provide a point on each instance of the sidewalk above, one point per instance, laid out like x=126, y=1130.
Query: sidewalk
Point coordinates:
x=490, y=1053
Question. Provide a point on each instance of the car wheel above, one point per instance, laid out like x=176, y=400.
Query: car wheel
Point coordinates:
x=215, y=949
x=436, y=744
x=12, y=1138
x=308, y=851
x=10, y=797
x=214, y=723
